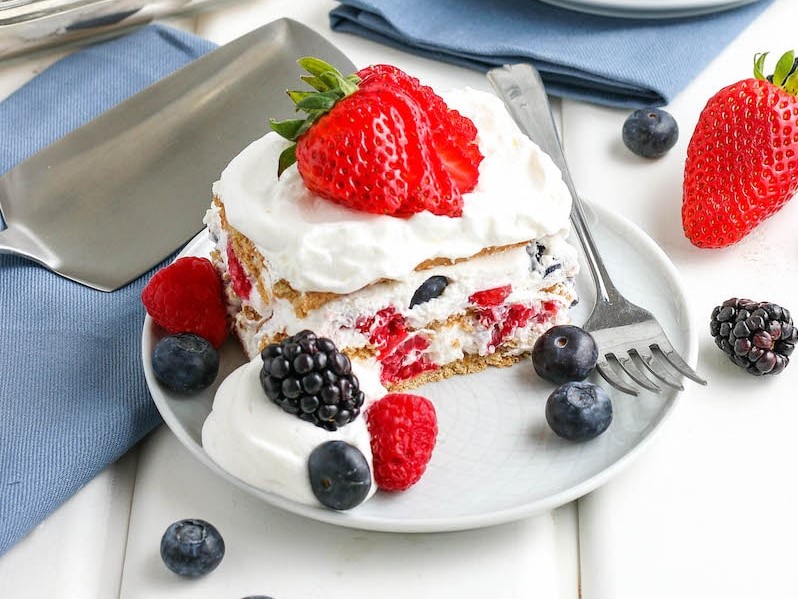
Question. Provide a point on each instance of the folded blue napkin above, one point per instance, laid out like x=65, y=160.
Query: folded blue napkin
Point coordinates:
x=605, y=60
x=73, y=397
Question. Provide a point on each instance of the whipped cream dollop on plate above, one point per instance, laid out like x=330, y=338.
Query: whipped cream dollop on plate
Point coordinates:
x=317, y=245
x=253, y=439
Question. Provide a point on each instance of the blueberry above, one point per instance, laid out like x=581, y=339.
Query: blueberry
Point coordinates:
x=339, y=475
x=650, y=132
x=578, y=411
x=564, y=353
x=191, y=547
x=185, y=363
x=429, y=289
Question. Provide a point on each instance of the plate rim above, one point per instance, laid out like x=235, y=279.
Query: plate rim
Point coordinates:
x=351, y=519
x=637, y=9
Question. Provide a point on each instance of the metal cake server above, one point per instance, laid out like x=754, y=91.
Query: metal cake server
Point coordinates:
x=109, y=201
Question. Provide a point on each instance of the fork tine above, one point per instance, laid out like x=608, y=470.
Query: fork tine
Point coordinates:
x=677, y=361
x=655, y=366
x=608, y=374
x=637, y=375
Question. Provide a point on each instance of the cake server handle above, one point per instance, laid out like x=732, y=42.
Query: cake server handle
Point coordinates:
x=524, y=95
x=14, y=240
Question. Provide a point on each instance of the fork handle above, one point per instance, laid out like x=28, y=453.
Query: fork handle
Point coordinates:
x=524, y=95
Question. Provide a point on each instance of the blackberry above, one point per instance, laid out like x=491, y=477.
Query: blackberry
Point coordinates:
x=757, y=336
x=307, y=376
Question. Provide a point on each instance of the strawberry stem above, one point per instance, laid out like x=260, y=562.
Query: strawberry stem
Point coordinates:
x=759, y=65
x=785, y=73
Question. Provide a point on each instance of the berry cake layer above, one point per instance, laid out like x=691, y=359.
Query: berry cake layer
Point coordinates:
x=421, y=296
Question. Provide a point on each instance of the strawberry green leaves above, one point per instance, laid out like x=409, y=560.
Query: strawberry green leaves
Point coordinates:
x=785, y=73
x=329, y=88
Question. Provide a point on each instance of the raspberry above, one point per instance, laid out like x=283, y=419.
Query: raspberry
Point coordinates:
x=186, y=297
x=403, y=430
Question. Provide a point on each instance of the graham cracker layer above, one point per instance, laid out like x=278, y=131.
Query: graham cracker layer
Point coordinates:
x=493, y=249
x=468, y=364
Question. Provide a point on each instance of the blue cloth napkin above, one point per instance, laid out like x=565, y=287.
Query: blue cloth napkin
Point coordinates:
x=72, y=392
x=605, y=60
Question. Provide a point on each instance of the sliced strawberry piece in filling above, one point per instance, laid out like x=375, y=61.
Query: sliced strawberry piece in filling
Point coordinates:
x=385, y=329
x=491, y=297
x=406, y=360
x=401, y=352
x=502, y=321
x=241, y=283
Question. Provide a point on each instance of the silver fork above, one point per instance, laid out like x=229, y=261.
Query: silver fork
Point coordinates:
x=629, y=338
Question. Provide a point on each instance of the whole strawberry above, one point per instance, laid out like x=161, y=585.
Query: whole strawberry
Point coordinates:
x=379, y=142
x=742, y=160
x=403, y=429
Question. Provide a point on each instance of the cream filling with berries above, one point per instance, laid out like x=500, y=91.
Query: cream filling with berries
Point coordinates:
x=253, y=439
x=337, y=319
x=317, y=245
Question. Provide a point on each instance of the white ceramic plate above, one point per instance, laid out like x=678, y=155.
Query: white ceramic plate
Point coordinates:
x=496, y=459
x=649, y=9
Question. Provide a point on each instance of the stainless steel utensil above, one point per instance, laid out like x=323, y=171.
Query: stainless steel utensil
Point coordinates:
x=109, y=201
x=629, y=338
x=35, y=25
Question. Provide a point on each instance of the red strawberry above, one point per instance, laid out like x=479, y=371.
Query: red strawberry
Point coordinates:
x=386, y=145
x=242, y=286
x=454, y=135
x=742, y=160
x=403, y=429
x=186, y=297
x=491, y=297
x=372, y=152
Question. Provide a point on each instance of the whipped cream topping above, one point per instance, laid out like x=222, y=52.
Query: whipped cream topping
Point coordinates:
x=253, y=439
x=317, y=245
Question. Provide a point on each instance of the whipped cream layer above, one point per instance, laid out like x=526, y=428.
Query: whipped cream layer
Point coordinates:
x=253, y=439
x=317, y=245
